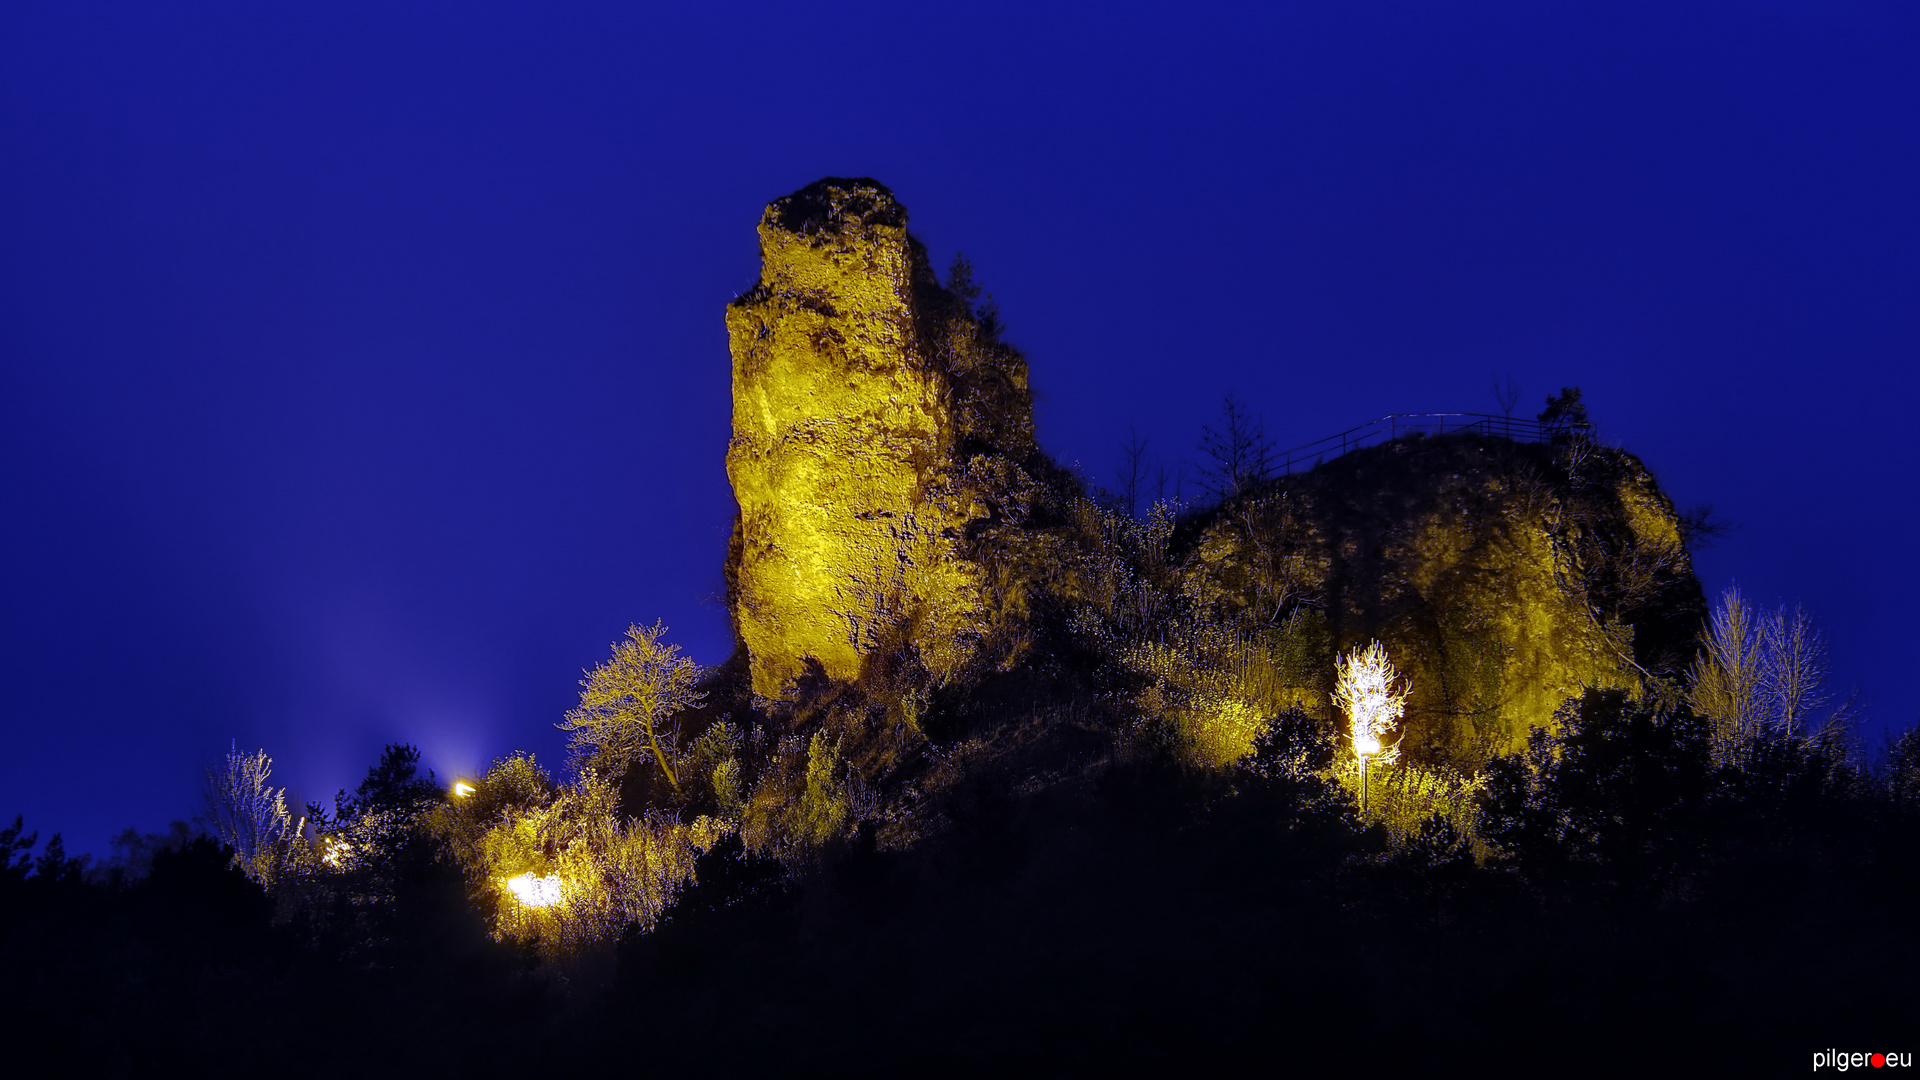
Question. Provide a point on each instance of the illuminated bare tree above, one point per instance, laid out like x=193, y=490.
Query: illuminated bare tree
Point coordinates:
x=1793, y=680
x=627, y=702
x=1727, y=676
x=250, y=817
x=1364, y=689
x=1764, y=677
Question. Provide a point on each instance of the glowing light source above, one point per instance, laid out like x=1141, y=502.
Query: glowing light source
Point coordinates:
x=336, y=852
x=1366, y=744
x=462, y=789
x=1364, y=686
x=535, y=891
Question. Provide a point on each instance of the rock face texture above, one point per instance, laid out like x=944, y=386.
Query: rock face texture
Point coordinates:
x=869, y=405
x=899, y=526
x=1502, y=577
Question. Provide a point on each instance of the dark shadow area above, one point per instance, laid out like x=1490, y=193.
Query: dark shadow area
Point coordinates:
x=1643, y=904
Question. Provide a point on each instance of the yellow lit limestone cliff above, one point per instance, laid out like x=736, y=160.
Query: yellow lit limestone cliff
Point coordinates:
x=871, y=409
x=898, y=525
x=1502, y=577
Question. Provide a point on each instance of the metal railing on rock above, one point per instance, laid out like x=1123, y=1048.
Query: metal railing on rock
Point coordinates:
x=1397, y=425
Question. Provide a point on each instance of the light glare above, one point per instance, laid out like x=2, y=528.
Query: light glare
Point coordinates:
x=535, y=891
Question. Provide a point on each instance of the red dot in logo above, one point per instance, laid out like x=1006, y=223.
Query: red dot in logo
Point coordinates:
x=1879, y=1060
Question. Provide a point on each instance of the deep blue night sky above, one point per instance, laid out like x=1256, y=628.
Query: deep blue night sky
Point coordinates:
x=363, y=373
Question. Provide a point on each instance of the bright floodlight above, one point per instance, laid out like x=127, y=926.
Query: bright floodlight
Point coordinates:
x=535, y=891
x=462, y=789
x=1366, y=744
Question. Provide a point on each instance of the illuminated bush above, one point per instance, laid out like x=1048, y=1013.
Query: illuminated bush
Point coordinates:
x=1404, y=797
x=512, y=787
x=558, y=866
x=802, y=800
x=513, y=783
x=1217, y=732
x=824, y=807
x=710, y=766
x=1216, y=684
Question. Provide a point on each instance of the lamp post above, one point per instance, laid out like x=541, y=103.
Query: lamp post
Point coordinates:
x=1365, y=745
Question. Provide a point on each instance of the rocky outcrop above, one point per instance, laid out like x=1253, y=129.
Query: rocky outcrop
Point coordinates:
x=897, y=526
x=868, y=404
x=1502, y=577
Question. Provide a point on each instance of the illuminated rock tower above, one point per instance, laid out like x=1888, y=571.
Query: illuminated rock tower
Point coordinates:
x=868, y=403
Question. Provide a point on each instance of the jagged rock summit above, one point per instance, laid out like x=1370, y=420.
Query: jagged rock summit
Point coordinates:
x=901, y=532
x=869, y=403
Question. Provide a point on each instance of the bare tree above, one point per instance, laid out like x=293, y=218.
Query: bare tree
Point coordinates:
x=1239, y=451
x=250, y=817
x=1133, y=469
x=1727, y=676
x=1699, y=528
x=1794, y=677
x=1764, y=677
x=626, y=703
x=1794, y=680
x=1162, y=479
x=1506, y=394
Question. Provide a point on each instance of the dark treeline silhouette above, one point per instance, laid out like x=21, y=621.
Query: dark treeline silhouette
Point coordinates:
x=1639, y=903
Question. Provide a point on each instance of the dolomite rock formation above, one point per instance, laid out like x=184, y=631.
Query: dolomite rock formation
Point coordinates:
x=897, y=522
x=1502, y=577
x=868, y=404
